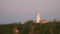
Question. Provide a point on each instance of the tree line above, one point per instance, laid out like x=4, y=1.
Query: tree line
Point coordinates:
x=31, y=27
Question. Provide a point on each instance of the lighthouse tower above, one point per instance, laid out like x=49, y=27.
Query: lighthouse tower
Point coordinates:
x=38, y=16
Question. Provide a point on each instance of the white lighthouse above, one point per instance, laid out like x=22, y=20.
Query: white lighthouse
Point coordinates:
x=38, y=16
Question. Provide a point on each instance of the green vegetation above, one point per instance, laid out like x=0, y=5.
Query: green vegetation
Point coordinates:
x=31, y=27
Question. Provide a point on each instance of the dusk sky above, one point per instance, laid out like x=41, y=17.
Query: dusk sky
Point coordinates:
x=23, y=10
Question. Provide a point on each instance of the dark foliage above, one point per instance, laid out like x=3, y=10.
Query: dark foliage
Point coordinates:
x=31, y=27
